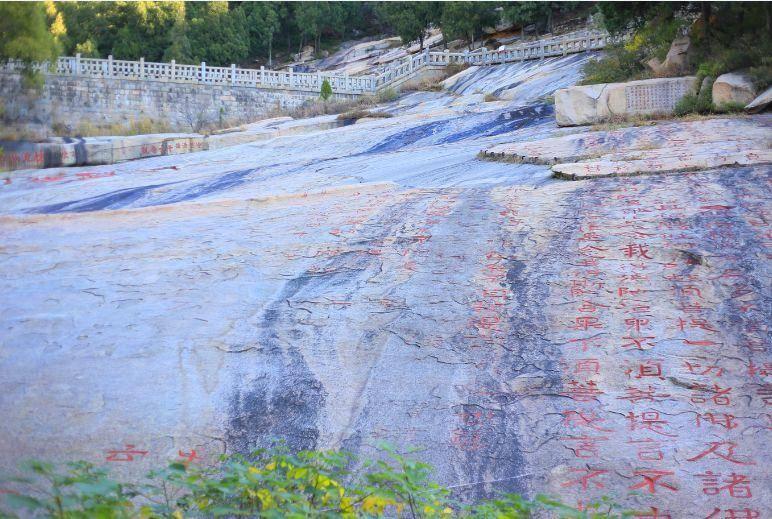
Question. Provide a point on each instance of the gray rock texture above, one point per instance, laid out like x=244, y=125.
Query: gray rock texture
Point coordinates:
x=677, y=59
x=761, y=103
x=379, y=282
x=733, y=87
x=668, y=147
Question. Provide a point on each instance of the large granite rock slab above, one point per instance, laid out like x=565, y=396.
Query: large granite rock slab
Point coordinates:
x=733, y=88
x=760, y=103
x=662, y=148
x=592, y=104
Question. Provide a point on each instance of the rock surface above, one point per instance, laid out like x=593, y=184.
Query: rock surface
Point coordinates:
x=677, y=59
x=664, y=148
x=592, y=104
x=378, y=282
x=733, y=88
x=760, y=103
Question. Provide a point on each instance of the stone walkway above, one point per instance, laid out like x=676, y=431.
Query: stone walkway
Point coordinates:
x=662, y=148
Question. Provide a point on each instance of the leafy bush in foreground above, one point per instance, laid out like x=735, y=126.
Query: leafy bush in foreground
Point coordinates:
x=269, y=483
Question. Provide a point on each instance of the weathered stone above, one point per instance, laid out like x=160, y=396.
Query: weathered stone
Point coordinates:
x=677, y=60
x=760, y=103
x=596, y=103
x=733, y=88
x=578, y=105
x=647, y=149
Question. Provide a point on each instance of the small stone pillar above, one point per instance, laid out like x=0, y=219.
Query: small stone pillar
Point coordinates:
x=291, y=76
x=262, y=75
x=233, y=74
x=174, y=69
x=77, y=64
x=110, y=66
x=203, y=71
x=141, y=68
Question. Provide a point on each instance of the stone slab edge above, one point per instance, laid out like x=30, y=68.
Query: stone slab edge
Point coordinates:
x=94, y=151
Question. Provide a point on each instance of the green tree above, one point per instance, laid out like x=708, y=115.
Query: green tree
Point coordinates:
x=179, y=49
x=24, y=35
x=467, y=19
x=326, y=91
x=309, y=19
x=218, y=35
x=539, y=14
x=411, y=20
x=264, y=22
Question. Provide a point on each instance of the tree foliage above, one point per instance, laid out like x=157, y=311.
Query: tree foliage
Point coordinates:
x=539, y=14
x=724, y=36
x=325, y=92
x=411, y=20
x=24, y=33
x=467, y=19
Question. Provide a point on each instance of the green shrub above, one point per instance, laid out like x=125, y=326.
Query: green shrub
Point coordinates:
x=271, y=483
x=693, y=104
x=731, y=107
x=618, y=64
x=326, y=91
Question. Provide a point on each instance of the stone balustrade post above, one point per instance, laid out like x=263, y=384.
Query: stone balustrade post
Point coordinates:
x=291, y=76
x=77, y=64
x=173, y=71
x=233, y=74
x=141, y=68
x=203, y=71
x=262, y=75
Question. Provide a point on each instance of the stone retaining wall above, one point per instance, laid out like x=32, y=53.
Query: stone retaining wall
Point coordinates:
x=68, y=101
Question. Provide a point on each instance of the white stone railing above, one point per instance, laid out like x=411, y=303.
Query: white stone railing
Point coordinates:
x=382, y=78
x=537, y=49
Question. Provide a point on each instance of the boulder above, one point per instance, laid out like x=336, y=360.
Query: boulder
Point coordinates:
x=677, y=59
x=733, y=87
x=596, y=103
x=761, y=102
x=578, y=105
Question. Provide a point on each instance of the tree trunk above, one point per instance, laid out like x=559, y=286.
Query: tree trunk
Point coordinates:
x=706, y=22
